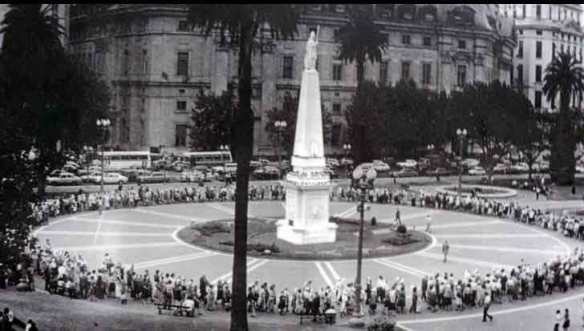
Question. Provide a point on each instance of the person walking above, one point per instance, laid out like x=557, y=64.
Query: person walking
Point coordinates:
x=397, y=217
x=558, y=320
x=566, y=323
x=486, y=308
x=428, y=223
x=445, y=249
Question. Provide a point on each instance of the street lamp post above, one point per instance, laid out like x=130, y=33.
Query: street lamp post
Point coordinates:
x=461, y=133
x=363, y=182
x=280, y=126
x=347, y=149
x=224, y=148
x=102, y=124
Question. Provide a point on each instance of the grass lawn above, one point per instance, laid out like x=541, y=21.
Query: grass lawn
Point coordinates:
x=378, y=241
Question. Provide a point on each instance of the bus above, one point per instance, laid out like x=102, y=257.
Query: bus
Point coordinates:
x=213, y=158
x=116, y=160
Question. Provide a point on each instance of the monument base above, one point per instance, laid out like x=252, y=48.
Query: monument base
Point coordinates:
x=308, y=235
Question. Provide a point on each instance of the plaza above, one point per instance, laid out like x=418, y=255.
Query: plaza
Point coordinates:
x=146, y=237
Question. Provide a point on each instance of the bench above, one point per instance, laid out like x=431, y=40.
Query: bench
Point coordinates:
x=178, y=309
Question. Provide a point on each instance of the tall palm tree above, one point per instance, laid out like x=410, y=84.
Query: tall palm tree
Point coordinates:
x=31, y=65
x=361, y=39
x=243, y=23
x=563, y=76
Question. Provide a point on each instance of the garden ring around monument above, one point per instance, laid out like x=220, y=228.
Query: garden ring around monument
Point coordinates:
x=380, y=240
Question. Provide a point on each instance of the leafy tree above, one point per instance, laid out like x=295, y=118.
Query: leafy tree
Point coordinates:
x=563, y=76
x=532, y=141
x=366, y=122
x=491, y=112
x=361, y=39
x=212, y=119
x=46, y=101
x=240, y=25
x=289, y=113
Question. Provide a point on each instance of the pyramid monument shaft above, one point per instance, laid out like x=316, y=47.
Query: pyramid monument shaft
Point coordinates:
x=308, y=185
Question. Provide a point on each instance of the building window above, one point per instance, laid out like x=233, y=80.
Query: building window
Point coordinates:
x=336, y=108
x=553, y=50
x=383, y=72
x=524, y=11
x=550, y=12
x=537, y=99
x=288, y=68
x=538, y=11
x=183, y=26
x=336, y=135
x=406, y=39
x=461, y=76
x=405, y=71
x=427, y=41
x=126, y=63
x=256, y=92
x=181, y=106
x=145, y=61
x=426, y=73
x=538, y=73
x=182, y=64
x=180, y=135
x=337, y=72
x=538, y=32
x=520, y=50
x=462, y=44
x=538, y=49
x=520, y=73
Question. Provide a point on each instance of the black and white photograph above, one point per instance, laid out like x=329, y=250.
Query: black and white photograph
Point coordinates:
x=291, y=166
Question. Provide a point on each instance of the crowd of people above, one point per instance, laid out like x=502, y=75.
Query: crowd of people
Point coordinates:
x=67, y=273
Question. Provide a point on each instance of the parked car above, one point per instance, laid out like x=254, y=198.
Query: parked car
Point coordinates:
x=477, y=171
x=64, y=178
x=180, y=166
x=255, y=164
x=347, y=161
x=408, y=163
x=470, y=163
x=381, y=166
x=266, y=172
x=71, y=167
x=88, y=170
x=134, y=173
x=405, y=172
x=153, y=177
x=193, y=176
x=110, y=178
x=501, y=168
x=90, y=177
x=520, y=167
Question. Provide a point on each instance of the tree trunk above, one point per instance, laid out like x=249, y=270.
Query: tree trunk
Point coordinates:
x=243, y=144
x=562, y=169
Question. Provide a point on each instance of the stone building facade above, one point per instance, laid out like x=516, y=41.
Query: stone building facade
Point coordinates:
x=156, y=66
x=543, y=30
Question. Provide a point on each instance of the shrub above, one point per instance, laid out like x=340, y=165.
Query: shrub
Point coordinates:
x=382, y=323
x=212, y=228
x=261, y=248
x=401, y=229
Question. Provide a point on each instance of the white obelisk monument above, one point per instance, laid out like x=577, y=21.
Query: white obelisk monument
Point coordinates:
x=308, y=185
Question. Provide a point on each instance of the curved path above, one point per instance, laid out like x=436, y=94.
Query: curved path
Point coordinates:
x=146, y=237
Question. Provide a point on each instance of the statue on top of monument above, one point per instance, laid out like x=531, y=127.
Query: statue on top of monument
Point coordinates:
x=311, y=52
